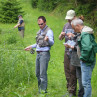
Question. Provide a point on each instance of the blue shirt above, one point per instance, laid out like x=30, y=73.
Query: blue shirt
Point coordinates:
x=50, y=41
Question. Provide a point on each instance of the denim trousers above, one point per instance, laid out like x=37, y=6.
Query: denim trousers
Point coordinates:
x=86, y=78
x=42, y=60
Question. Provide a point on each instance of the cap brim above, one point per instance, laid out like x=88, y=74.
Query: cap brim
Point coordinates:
x=68, y=18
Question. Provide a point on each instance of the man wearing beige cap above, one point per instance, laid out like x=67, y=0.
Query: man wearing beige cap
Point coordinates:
x=71, y=60
x=70, y=15
x=70, y=71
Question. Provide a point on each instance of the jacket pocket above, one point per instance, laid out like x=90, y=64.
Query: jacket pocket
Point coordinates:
x=92, y=56
x=95, y=47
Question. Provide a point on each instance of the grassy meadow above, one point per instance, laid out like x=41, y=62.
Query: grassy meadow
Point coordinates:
x=17, y=67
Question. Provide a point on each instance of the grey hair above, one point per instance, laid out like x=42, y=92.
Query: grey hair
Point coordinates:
x=77, y=21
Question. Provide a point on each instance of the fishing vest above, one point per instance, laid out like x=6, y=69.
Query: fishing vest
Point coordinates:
x=23, y=24
x=40, y=38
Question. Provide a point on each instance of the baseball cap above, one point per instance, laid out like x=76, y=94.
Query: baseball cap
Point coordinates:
x=19, y=15
x=70, y=15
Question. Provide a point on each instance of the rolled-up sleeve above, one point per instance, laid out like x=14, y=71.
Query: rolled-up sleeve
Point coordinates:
x=51, y=37
x=34, y=45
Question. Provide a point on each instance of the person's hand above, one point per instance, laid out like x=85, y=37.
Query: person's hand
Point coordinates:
x=28, y=48
x=69, y=46
x=62, y=35
x=14, y=26
x=70, y=35
x=46, y=38
x=66, y=45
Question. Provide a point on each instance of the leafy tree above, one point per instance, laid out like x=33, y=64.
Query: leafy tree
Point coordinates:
x=46, y=5
x=9, y=10
x=87, y=8
x=34, y=3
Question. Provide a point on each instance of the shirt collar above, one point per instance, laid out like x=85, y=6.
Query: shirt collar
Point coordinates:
x=43, y=28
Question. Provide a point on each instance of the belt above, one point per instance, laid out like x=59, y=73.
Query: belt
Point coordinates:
x=41, y=51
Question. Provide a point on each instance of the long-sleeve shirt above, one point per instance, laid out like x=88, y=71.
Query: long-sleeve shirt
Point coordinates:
x=50, y=41
x=66, y=29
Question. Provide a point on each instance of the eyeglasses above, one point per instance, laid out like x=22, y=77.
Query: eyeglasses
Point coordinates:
x=41, y=24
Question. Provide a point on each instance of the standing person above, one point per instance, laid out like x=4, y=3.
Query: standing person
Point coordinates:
x=75, y=61
x=20, y=25
x=70, y=70
x=88, y=50
x=44, y=41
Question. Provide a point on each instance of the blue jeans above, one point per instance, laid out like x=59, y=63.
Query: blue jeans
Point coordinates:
x=42, y=60
x=86, y=77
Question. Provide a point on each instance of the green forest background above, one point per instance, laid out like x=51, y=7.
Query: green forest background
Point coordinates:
x=17, y=67
x=87, y=8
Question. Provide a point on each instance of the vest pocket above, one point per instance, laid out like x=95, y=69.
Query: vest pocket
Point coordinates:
x=40, y=43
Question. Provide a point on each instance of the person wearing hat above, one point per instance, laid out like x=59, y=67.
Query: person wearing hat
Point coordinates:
x=71, y=60
x=70, y=70
x=20, y=25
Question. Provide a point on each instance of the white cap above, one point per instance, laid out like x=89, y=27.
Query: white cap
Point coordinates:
x=70, y=15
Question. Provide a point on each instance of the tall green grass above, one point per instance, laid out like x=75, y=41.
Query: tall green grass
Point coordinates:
x=17, y=67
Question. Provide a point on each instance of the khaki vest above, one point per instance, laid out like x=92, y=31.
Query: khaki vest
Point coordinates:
x=23, y=24
x=40, y=38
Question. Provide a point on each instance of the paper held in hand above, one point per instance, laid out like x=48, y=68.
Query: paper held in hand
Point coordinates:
x=70, y=42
